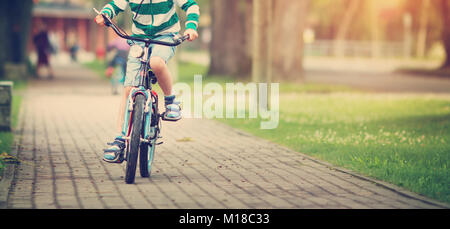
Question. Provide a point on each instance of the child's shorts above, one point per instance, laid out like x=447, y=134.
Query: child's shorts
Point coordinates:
x=134, y=64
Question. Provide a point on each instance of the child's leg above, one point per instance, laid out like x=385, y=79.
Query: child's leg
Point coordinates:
x=112, y=153
x=123, y=104
x=158, y=62
x=162, y=72
x=114, y=150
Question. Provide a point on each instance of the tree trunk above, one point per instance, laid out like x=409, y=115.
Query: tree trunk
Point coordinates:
x=262, y=41
x=3, y=39
x=228, y=48
x=15, y=21
x=423, y=29
x=19, y=21
x=289, y=20
x=375, y=29
x=446, y=31
x=344, y=26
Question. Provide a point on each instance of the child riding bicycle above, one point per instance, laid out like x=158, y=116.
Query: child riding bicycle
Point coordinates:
x=158, y=20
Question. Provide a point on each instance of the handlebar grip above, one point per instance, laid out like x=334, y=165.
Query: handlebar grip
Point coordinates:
x=106, y=19
x=182, y=39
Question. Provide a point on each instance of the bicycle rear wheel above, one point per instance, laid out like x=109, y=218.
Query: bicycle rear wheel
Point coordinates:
x=135, y=139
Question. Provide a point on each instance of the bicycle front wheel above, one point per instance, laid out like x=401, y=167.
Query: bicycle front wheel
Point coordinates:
x=146, y=157
x=135, y=139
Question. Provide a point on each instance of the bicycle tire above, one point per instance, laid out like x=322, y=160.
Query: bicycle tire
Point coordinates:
x=146, y=158
x=135, y=140
x=147, y=153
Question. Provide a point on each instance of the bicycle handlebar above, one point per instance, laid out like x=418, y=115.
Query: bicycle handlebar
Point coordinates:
x=118, y=31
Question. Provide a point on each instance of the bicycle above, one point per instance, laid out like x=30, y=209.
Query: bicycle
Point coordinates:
x=142, y=122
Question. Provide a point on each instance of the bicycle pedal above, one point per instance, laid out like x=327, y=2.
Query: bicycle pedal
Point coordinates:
x=169, y=120
x=159, y=143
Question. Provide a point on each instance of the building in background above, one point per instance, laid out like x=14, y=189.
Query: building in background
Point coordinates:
x=70, y=25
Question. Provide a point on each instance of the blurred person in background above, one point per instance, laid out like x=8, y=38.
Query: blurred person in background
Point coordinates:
x=117, y=62
x=43, y=48
x=73, y=46
x=54, y=39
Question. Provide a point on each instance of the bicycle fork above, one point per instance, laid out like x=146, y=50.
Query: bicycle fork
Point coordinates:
x=149, y=116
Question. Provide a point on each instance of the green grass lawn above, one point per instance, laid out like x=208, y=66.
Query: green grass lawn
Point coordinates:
x=7, y=138
x=403, y=139
x=398, y=138
x=98, y=66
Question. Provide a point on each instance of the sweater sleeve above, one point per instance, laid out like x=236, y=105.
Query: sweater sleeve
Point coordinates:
x=192, y=12
x=114, y=7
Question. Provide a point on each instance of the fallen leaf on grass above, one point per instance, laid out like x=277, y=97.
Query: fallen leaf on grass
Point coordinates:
x=186, y=139
x=8, y=159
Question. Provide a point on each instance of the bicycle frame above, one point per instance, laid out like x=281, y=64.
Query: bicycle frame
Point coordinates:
x=151, y=98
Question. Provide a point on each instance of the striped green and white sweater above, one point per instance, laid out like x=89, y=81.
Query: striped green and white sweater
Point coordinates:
x=155, y=17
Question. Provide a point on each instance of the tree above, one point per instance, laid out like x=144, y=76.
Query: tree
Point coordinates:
x=229, y=45
x=262, y=41
x=348, y=17
x=3, y=38
x=445, y=31
x=289, y=21
x=375, y=29
x=15, y=21
x=232, y=31
x=423, y=29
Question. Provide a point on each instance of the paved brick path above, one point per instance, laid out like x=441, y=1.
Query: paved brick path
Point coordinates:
x=64, y=126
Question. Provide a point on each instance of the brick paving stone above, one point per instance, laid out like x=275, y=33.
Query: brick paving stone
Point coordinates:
x=67, y=122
